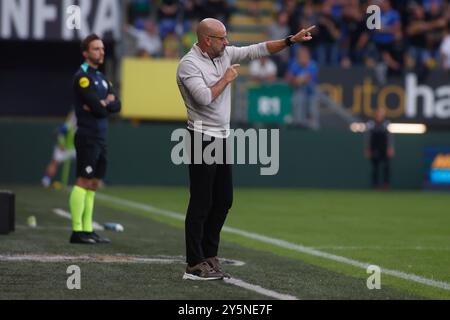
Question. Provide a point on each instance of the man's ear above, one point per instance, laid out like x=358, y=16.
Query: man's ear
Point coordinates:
x=84, y=53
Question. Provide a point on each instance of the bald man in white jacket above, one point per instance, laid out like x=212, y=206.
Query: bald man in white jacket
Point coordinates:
x=203, y=78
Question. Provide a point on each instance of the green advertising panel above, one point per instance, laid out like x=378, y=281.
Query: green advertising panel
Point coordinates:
x=269, y=103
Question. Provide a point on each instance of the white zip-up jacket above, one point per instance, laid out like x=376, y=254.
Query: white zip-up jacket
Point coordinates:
x=197, y=72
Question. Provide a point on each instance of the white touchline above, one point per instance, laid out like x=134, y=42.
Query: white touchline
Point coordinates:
x=234, y=281
x=123, y=259
x=416, y=248
x=101, y=258
x=259, y=289
x=67, y=215
x=282, y=243
x=86, y=258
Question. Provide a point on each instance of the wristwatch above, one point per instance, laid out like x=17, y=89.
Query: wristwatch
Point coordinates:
x=288, y=41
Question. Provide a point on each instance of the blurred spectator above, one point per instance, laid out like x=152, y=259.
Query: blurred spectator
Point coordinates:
x=394, y=56
x=329, y=35
x=353, y=26
x=231, y=6
x=255, y=9
x=340, y=38
x=379, y=42
x=379, y=148
x=217, y=9
x=279, y=30
x=336, y=8
x=390, y=24
x=263, y=69
x=139, y=9
x=302, y=75
x=167, y=17
x=428, y=4
x=445, y=51
x=231, y=3
x=437, y=23
x=402, y=7
x=308, y=18
x=191, y=13
x=278, y=5
x=148, y=43
x=190, y=37
x=416, y=32
x=170, y=45
x=293, y=11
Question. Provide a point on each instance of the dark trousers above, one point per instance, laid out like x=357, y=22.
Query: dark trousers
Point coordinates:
x=383, y=163
x=211, y=196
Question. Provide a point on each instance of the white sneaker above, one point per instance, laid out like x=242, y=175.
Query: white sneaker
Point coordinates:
x=46, y=181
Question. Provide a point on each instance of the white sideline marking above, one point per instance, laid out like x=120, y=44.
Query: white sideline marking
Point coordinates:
x=284, y=244
x=46, y=227
x=86, y=258
x=259, y=289
x=118, y=258
x=416, y=248
x=102, y=258
x=67, y=215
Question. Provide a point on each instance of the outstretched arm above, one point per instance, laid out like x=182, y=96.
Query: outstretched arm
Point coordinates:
x=262, y=49
x=278, y=45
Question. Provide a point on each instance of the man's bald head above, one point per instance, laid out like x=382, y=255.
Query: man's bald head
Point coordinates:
x=210, y=26
x=212, y=37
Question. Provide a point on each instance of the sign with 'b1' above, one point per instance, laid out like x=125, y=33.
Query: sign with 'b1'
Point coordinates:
x=269, y=104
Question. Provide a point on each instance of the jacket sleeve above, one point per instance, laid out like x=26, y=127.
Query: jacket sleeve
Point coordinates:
x=254, y=51
x=192, y=78
x=84, y=88
x=116, y=106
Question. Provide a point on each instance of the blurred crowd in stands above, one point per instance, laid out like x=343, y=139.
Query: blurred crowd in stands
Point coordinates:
x=167, y=28
x=414, y=35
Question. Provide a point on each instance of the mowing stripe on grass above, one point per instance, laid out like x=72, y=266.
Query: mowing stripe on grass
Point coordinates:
x=281, y=243
x=67, y=215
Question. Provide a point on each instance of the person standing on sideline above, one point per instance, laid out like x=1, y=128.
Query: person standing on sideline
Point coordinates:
x=95, y=99
x=379, y=148
x=203, y=78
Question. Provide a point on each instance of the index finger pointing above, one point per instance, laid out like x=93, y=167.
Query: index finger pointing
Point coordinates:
x=235, y=65
x=310, y=28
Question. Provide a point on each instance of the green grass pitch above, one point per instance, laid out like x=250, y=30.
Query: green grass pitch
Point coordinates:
x=408, y=232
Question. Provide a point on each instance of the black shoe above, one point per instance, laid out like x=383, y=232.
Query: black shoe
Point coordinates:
x=81, y=238
x=97, y=238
